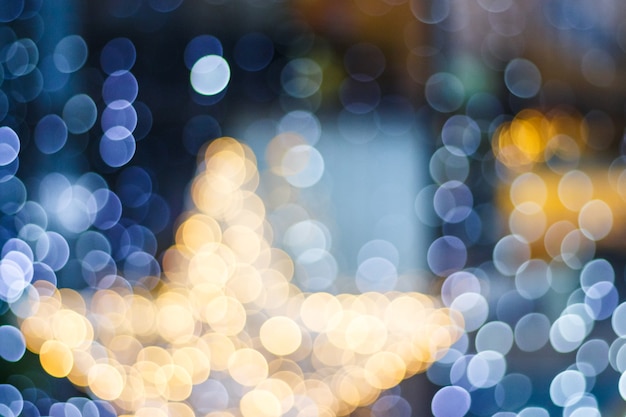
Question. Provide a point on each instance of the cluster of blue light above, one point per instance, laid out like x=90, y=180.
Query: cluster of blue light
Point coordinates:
x=62, y=223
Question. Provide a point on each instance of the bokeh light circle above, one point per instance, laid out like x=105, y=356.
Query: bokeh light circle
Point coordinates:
x=200, y=46
x=451, y=401
x=12, y=399
x=445, y=92
x=13, y=344
x=117, y=146
x=495, y=336
x=567, y=387
x=522, y=78
x=301, y=77
x=510, y=253
x=431, y=13
x=118, y=54
x=80, y=113
x=446, y=254
x=532, y=332
x=50, y=134
x=210, y=75
x=9, y=145
x=11, y=10
x=120, y=87
x=461, y=135
x=70, y=54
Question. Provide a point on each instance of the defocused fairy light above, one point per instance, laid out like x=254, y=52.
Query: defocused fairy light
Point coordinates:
x=208, y=305
x=521, y=215
x=210, y=75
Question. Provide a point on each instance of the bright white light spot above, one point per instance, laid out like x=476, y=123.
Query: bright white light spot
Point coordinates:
x=210, y=75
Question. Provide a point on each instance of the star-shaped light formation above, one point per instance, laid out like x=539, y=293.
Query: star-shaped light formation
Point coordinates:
x=224, y=328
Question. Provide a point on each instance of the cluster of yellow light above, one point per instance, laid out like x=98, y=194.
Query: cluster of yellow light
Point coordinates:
x=532, y=137
x=546, y=204
x=226, y=309
x=545, y=207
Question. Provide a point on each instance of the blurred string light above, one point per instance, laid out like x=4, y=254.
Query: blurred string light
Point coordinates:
x=119, y=91
x=72, y=231
x=225, y=309
x=558, y=212
x=558, y=217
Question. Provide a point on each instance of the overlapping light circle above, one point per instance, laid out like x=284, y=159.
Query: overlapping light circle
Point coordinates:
x=551, y=216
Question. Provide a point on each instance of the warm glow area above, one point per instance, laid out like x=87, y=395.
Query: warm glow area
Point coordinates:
x=105, y=381
x=562, y=212
x=56, y=358
x=280, y=335
x=260, y=403
x=226, y=309
x=532, y=137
